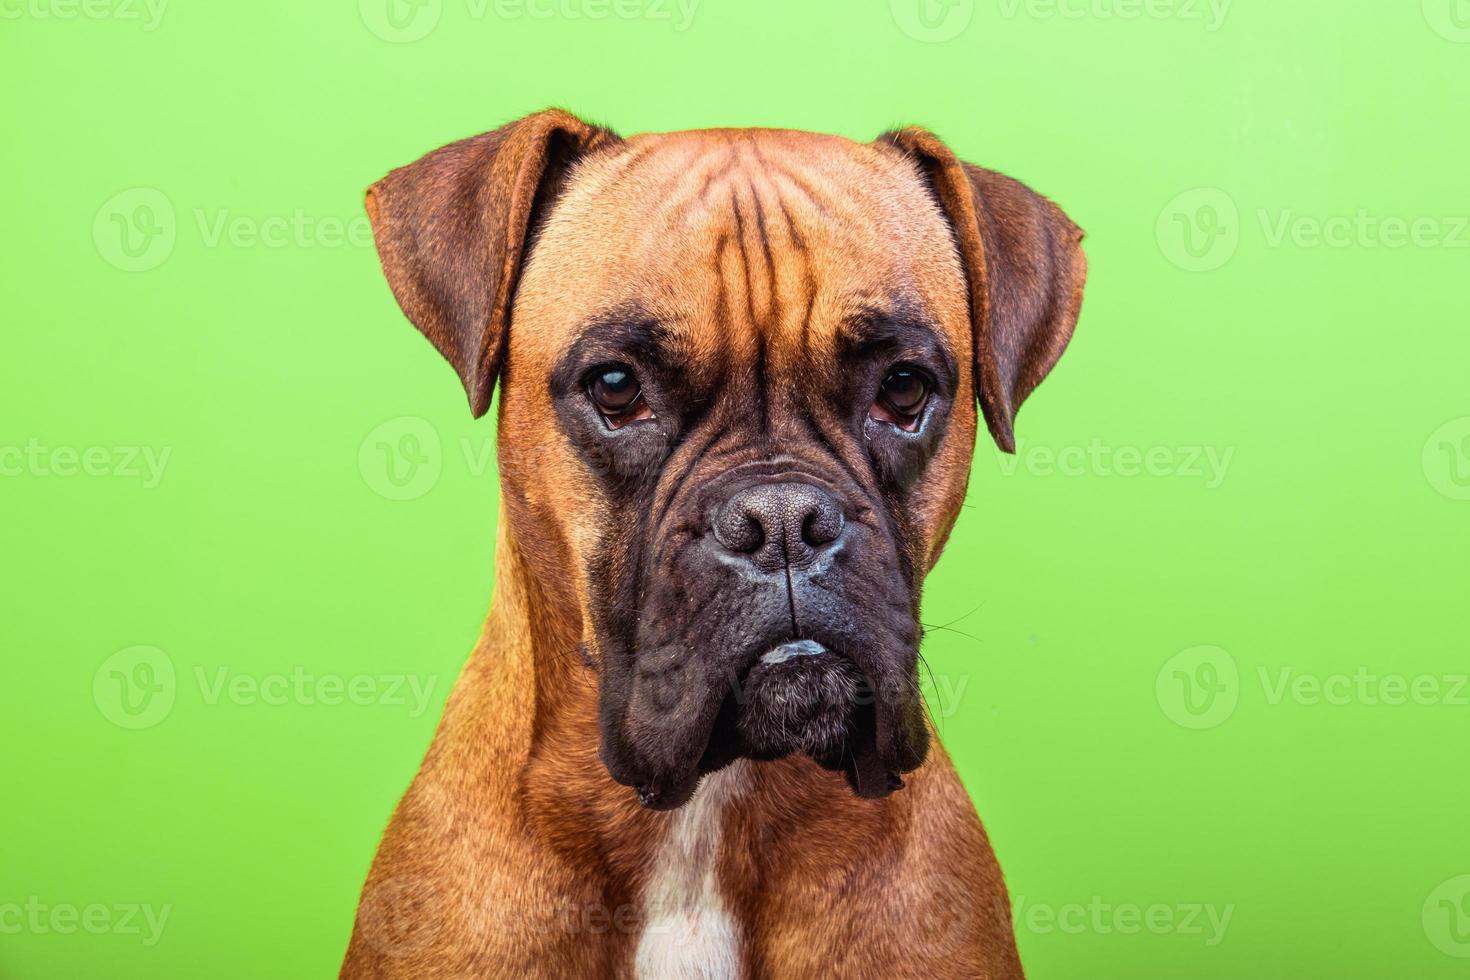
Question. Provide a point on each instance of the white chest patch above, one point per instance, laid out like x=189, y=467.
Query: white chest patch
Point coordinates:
x=690, y=933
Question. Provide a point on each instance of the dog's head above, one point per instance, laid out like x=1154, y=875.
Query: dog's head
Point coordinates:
x=740, y=371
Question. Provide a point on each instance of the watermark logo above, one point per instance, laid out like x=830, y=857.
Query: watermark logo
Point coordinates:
x=1363, y=687
x=1199, y=230
x=148, y=13
x=400, y=21
x=1207, y=464
x=510, y=905
x=401, y=914
x=1446, y=459
x=299, y=229
x=1204, y=920
x=1446, y=917
x=138, y=688
x=1450, y=19
x=933, y=21
x=1199, y=687
x=402, y=458
x=949, y=924
x=679, y=13
x=41, y=918
x=135, y=229
x=403, y=21
x=1210, y=13
x=34, y=459
x=300, y=687
x=1363, y=229
x=135, y=688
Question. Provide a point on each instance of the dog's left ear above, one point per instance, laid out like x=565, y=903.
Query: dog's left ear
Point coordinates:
x=452, y=229
x=1024, y=262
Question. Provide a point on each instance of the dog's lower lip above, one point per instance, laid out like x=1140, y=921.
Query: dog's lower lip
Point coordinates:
x=668, y=797
x=791, y=650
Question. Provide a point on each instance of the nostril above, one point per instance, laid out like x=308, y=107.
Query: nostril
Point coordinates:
x=778, y=523
x=737, y=530
x=754, y=535
x=822, y=525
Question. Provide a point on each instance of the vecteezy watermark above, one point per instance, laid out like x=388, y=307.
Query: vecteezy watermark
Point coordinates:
x=401, y=459
x=401, y=914
x=1450, y=19
x=298, y=229
x=1200, y=230
x=138, y=688
x=401, y=21
x=136, y=230
x=1363, y=229
x=147, y=13
x=404, y=21
x=1207, y=464
x=1209, y=13
x=1198, y=687
x=1364, y=687
x=1095, y=916
x=1201, y=687
x=935, y=21
x=145, y=463
x=1446, y=459
x=39, y=918
x=300, y=687
x=1446, y=917
x=512, y=904
x=932, y=21
x=135, y=687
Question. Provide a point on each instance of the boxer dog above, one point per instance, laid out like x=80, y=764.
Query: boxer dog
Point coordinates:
x=739, y=376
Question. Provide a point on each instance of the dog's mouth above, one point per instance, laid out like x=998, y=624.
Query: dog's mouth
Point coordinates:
x=801, y=697
x=798, y=697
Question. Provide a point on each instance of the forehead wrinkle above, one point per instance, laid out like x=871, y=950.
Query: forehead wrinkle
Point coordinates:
x=746, y=217
x=684, y=187
x=831, y=189
x=757, y=264
x=815, y=220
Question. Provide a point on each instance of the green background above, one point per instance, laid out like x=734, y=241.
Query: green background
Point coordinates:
x=1116, y=764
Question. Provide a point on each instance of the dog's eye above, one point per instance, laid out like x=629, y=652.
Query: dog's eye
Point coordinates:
x=901, y=398
x=616, y=393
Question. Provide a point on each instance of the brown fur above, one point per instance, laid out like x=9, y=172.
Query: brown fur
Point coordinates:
x=514, y=854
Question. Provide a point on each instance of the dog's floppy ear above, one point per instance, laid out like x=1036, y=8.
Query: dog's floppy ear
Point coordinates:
x=452, y=227
x=1024, y=262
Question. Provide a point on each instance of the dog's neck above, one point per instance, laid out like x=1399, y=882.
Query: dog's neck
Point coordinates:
x=527, y=669
x=522, y=725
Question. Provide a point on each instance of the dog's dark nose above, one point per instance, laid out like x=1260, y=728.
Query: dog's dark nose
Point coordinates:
x=779, y=524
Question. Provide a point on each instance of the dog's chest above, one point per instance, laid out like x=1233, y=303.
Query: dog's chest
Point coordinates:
x=690, y=931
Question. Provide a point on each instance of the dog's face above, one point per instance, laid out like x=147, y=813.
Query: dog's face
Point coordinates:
x=738, y=407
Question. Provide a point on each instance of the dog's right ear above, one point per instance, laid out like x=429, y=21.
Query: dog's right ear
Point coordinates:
x=1025, y=265
x=452, y=228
